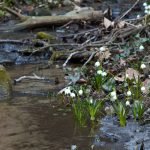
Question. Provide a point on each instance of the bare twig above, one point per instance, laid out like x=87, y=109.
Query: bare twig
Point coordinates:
x=70, y=56
x=80, y=33
x=128, y=10
x=29, y=77
x=88, y=40
x=20, y=16
x=67, y=24
x=90, y=58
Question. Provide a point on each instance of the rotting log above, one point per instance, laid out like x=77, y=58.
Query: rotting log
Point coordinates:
x=29, y=22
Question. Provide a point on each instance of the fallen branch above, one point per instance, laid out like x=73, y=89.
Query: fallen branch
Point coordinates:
x=85, y=13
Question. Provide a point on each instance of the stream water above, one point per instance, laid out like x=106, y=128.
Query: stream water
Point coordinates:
x=32, y=121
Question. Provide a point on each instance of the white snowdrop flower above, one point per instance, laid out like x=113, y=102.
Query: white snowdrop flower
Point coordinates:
x=138, y=16
x=102, y=48
x=91, y=101
x=129, y=93
x=112, y=94
x=73, y=147
x=97, y=64
x=104, y=74
x=145, y=4
x=141, y=47
x=67, y=91
x=143, y=89
x=72, y=95
x=146, y=11
x=127, y=76
x=99, y=72
x=143, y=66
x=147, y=7
x=113, y=98
x=80, y=92
x=69, y=87
x=127, y=103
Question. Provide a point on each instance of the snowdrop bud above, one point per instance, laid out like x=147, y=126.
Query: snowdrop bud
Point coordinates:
x=99, y=72
x=138, y=16
x=141, y=47
x=143, y=66
x=129, y=93
x=80, y=92
x=72, y=95
x=67, y=91
x=146, y=7
x=91, y=101
x=113, y=98
x=102, y=48
x=127, y=103
x=104, y=74
x=143, y=89
x=146, y=11
x=113, y=93
x=127, y=76
x=97, y=64
x=144, y=4
x=73, y=147
x=87, y=91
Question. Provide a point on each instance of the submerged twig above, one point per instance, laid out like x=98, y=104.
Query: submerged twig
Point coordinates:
x=29, y=77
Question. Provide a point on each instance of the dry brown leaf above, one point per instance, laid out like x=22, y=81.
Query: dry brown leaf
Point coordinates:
x=120, y=79
x=81, y=81
x=103, y=55
x=107, y=23
x=146, y=84
x=122, y=62
x=132, y=73
x=121, y=24
x=106, y=54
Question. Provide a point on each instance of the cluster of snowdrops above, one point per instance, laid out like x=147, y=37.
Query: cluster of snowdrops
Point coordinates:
x=99, y=95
